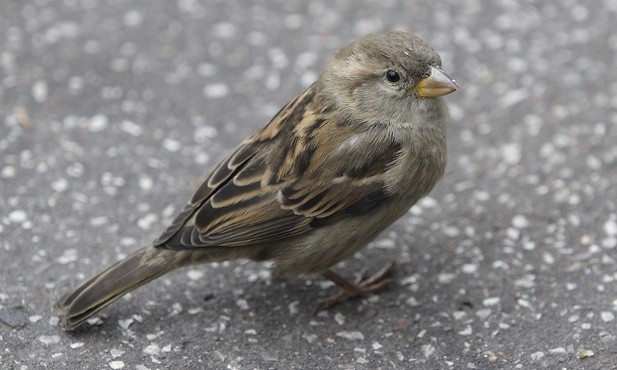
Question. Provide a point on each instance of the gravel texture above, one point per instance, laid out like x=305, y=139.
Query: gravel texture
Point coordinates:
x=111, y=110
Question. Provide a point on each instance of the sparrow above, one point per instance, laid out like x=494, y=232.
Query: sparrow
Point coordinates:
x=331, y=170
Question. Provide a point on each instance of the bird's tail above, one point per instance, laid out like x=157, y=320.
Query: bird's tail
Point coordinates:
x=122, y=277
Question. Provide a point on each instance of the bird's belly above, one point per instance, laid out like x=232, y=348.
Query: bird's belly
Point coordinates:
x=317, y=251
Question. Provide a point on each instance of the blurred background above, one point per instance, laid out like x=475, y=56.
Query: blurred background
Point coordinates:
x=110, y=109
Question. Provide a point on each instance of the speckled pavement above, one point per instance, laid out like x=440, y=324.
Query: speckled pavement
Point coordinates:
x=111, y=111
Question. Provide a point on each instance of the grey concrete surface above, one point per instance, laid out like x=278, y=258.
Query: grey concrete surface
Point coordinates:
x=111, y=110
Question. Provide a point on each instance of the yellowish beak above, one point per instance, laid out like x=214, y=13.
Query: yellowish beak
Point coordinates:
x=436, y=84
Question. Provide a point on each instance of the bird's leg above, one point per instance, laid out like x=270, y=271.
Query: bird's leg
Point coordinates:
x=359, y=287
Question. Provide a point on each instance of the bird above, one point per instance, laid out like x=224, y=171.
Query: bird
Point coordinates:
x=325, y=176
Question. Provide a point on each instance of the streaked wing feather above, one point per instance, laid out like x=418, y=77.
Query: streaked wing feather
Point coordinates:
x=284, y=182
x=208, y=186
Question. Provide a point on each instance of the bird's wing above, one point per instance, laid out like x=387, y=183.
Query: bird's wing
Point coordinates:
x=305, y=169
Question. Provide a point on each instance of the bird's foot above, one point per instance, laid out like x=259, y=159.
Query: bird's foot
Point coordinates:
x=361, y=286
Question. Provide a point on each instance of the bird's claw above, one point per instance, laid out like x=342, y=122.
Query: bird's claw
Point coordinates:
x=361, y=286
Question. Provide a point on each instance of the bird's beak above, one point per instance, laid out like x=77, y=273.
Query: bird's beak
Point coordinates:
x=436, y=84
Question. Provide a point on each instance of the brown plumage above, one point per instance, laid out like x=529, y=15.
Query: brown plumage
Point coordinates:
x=331, y=170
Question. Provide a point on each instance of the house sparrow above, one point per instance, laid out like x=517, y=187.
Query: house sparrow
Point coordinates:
x=333, y=168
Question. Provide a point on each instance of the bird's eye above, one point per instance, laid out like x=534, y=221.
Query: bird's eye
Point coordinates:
x=392, y=76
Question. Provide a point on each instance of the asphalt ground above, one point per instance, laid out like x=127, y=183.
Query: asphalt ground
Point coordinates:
x=111, y=111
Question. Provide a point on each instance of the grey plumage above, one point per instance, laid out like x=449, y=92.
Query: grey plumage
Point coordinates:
x=337, y=165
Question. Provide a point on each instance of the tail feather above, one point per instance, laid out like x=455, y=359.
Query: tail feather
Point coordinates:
x=95, y=294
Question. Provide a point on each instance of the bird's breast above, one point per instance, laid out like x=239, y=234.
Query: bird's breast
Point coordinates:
x=419, y=166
